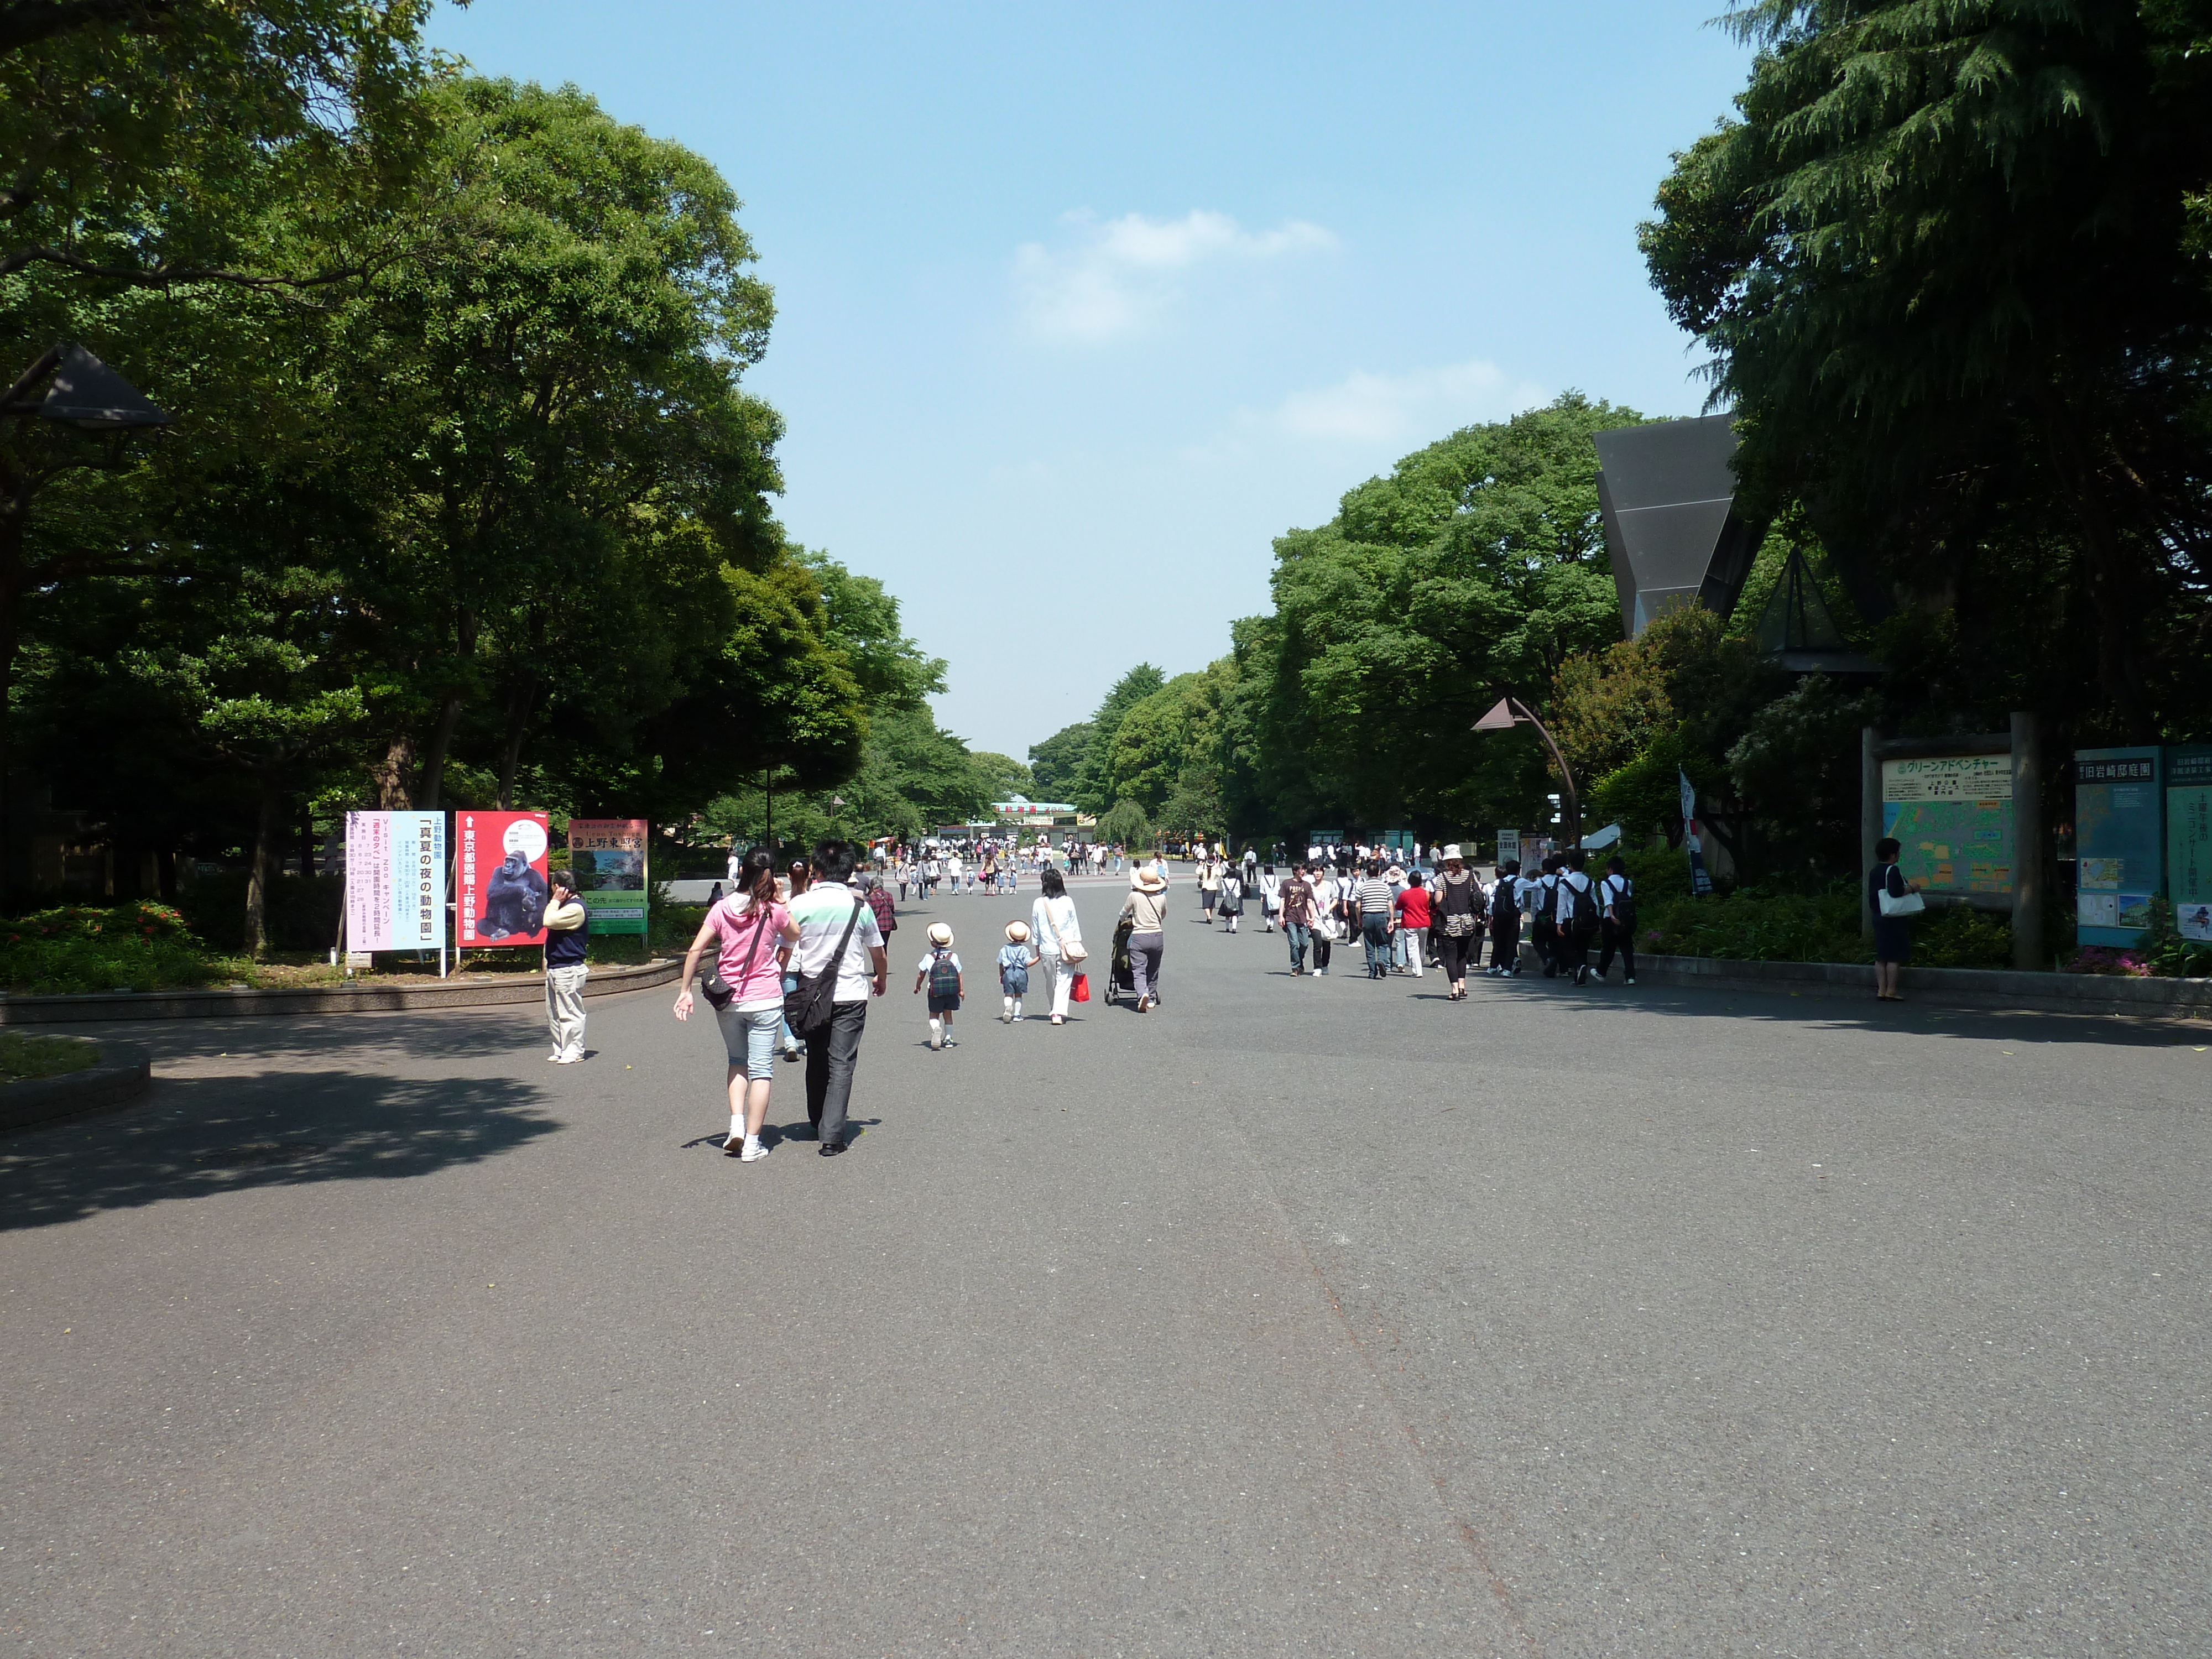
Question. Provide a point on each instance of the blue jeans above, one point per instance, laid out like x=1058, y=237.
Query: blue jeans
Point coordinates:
x=749, y=1038
x=1298, y=934
x=1374, y=934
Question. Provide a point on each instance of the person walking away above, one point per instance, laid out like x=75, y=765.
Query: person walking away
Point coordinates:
x=1250, y=872
x=568, y=927
x=1575, y=910
x=1412, y=908
x=1015, y=961
x=1616, y=897
x=1295, y=898
x=1209, y=886
x=1372, y=897
x=1544, y=915
x=1230, y=904
x=1455, y=919
x=940, y=971
x=1147, y=910
x=879, y=900
x=1057, y=932
x=1328, y=916
x=746, y=931
x=1271, y=896
x=1893, y=939
x=1393, y=872
x=1505, y=921
x=839, y=958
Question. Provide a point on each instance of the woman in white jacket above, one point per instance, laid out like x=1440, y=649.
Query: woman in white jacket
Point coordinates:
x=1054, y=928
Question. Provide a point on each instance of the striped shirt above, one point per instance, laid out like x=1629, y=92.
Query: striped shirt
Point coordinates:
x=1374, y=897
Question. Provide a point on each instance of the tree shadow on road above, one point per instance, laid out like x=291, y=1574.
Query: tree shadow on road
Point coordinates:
x=194, y=1136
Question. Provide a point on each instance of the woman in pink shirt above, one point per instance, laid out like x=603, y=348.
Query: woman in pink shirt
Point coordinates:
x=748, y=929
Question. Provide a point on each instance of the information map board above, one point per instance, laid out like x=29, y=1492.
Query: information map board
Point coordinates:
x=607, y=858
x=1952, y=817
x=2117, y=842
x=2189, y=838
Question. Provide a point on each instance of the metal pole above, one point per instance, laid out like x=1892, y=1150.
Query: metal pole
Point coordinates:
x=2026, y=843
x=1869, y=819
x=1574, y=814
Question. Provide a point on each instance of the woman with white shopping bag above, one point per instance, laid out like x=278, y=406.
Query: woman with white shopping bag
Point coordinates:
x=1892, y=899
x=1056, y=936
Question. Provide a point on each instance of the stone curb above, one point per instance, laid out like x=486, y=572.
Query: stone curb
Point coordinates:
x=336, y=999
x=124, y=1070
x=1968, y=988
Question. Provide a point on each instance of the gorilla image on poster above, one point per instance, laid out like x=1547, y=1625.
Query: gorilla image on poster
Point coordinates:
x=514, y=899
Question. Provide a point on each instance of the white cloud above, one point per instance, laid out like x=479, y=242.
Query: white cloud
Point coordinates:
x=1421, y=405
x=1118, y=275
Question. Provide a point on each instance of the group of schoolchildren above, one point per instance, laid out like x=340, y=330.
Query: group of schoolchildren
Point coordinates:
x=1566, y=908
x=940, y=974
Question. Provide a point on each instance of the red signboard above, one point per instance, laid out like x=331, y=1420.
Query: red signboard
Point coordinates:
x=500, y=896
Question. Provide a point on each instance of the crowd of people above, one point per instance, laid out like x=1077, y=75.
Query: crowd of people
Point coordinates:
x=793, y=957
x=990, y=866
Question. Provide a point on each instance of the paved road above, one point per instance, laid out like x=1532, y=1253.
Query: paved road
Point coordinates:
x=1303, y=1317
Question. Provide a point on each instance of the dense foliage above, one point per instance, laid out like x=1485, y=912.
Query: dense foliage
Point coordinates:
x=464, y=503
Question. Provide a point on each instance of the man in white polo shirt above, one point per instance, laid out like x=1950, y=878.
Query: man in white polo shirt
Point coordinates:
x=826, y=912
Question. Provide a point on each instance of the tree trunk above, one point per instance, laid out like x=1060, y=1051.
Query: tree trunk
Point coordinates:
x=2118, y=591
x=519, y=703
x=394, y=793
x=430, y=788
x=257, y=880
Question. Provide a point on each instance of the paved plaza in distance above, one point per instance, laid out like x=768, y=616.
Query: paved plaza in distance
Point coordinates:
x=1302, y=1317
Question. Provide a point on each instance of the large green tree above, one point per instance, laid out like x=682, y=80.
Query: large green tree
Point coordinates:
x=1951, y=262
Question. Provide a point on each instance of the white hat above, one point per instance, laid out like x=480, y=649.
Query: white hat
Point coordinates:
x=939, y=934
x=1017, y=931
x=1453, y=852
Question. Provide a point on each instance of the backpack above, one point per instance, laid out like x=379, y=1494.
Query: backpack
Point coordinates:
x=1504, y=906
x=1577, y=905
x=1624, y=903
x=943, y=976
x=1546, y=907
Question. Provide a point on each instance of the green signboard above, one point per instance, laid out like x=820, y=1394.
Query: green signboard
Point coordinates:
x=2189, y=839
x=2117, y=842
x=1952, y=816
x=608, y=857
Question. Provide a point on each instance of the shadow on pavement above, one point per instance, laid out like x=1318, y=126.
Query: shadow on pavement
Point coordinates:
x=1839, y=1012
x=192, y=1137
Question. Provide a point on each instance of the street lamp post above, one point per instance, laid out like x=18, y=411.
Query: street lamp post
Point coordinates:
x=1512, y=712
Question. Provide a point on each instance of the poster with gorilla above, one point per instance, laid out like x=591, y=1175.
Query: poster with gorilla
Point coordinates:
x=502, y=887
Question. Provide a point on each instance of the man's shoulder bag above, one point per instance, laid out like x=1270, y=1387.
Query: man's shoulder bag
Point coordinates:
x=806, y=1005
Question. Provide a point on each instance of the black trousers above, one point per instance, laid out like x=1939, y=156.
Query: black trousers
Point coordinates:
x=1544, y=936
x=833, y=1050
x=1571, y=949
x=1454, y=952
x=1623, y=940
x=1505, y=941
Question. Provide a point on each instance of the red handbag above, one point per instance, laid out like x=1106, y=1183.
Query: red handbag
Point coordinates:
x=1079, y=991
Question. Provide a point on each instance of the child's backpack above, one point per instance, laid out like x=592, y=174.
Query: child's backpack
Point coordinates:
x=944, y=975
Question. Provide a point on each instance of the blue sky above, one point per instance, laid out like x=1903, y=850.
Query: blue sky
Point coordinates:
x=1079, y=307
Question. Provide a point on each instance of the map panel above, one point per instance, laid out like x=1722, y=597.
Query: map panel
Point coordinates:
x=1952, y=816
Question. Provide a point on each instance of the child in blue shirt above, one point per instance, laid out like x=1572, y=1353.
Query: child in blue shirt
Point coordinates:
x=1015, y=962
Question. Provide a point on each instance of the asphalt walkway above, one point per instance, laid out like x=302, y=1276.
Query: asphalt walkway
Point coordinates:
x=1301, y=1317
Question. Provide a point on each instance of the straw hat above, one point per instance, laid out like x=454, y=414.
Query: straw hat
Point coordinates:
x=1453, y=852
x=1148, y=881
x=939, y=934
x=1017, y=931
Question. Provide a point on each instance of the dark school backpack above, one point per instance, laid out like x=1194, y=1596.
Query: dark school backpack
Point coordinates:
x=1624, y=905
x=943, y=976
x=1577, y=905
x=1504, y=900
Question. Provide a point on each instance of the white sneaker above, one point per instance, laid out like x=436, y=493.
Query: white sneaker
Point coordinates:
x=754, y=1150
x=935, y=1041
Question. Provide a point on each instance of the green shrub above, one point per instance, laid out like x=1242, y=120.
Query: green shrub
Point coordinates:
x=78, y=948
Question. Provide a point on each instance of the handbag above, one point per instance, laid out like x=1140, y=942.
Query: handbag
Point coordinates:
x=806, y=1004
x=1895, y=904
x=1079, y=989
x=717, y=990
x=1071, y=958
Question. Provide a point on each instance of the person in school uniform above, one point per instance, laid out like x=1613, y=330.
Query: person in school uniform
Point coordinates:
x=1574, y=917
x=1616, y=897
x=1506, y=905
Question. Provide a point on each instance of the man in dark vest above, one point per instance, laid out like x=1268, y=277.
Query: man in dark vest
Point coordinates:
x=568, y=926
